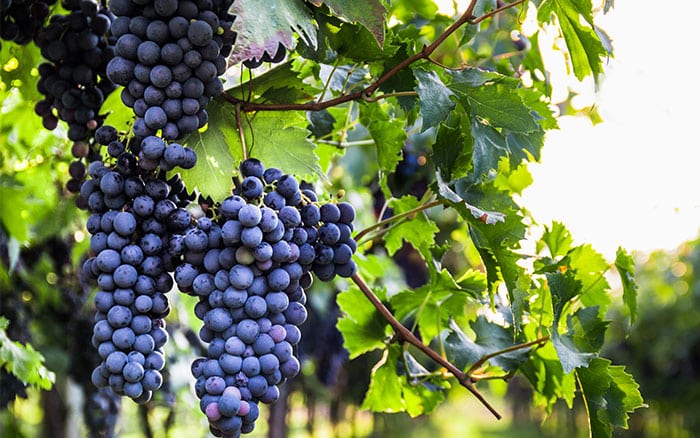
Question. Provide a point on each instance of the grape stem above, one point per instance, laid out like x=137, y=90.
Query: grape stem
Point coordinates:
x=537, y=342
x=367, y=92
x=239, y=127
x=406, y=335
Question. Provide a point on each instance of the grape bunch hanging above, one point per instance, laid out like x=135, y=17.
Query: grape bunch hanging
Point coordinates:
x=249, y=261
x=249, y=266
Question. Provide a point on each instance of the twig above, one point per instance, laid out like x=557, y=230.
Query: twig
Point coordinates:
x=495, y=11
x=391, y=219
x=486, y=357
x=239, y=126
x=406, y=335
x=366, y=93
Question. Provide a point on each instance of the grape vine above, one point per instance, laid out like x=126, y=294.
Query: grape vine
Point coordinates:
x=216, y=189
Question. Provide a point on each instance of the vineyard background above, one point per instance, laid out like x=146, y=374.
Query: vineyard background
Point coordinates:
x=661, y=349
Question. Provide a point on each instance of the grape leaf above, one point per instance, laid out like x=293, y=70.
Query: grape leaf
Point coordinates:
x=549, y=381
x=583, y=339
x=362, y=327
x=564, y=286
x=384, y=393
x=431, y=305
x=487, y=217
x=493, y=97
x=261, y=25
x=117, y=115
x=557, y=239
x=388, y=134
x=434, y=98
x=216, y=164
x=490, y=338
x=452, y=150
x=496, y=240
x=500, y=105
x=590, y=267
x=610, y=394
x=280, y=84
x=582, y=42
x=279, y=139
x=369, y=13
x=625, y=266
x=417, y=230
x=391, y=391
x=23, y=361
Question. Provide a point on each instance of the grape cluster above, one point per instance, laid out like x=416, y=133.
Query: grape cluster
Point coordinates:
x=170, y=55
x=73, y=81
x=133, y=213
x=249, y=266
x=21, y=20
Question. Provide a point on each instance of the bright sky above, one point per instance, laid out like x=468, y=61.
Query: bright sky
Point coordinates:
x=633, y=180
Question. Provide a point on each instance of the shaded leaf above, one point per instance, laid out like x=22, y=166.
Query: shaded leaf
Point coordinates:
x=452, y=150
x=610, y=394
x=549, y=381
x=582, y=340
x=490, y=338
x=434, y=98
x=387, y=132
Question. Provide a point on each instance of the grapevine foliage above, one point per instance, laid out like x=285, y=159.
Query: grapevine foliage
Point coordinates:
x=356, y=97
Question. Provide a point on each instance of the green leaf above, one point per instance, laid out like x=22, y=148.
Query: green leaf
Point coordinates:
x=452, y=150
x=362, y=326
x=625, y=267
x=610, y=394
x=369, y=13
x=387, y=132
x=418, y=230
x=548, y=379
x=557, y=239
x=489, y=147
x=564, y=286
x=590, y=267
x=490, y=338
x=391, y=390
x=280, y=84
x=493, y=98
x=433, y=305
x=496, y=240
x=385, y=388
x=280, y=139
x=23, y=361
x=582, y=42
x=502, y=107
x=261, y=25
x=434, y=98
x=583, y=339
x=212, y=175
x=118, y=115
